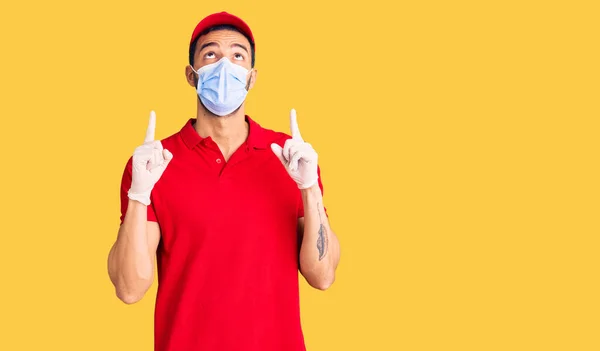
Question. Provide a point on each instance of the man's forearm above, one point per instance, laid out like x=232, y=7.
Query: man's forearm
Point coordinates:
x=130, y=264
x=320, y=252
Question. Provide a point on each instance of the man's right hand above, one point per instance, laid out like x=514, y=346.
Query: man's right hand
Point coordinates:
x=149, y=162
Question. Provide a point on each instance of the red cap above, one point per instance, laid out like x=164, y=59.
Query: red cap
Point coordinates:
x=222, y=18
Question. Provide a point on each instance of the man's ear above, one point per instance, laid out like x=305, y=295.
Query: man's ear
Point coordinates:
x=252, y=79
x=191, y=76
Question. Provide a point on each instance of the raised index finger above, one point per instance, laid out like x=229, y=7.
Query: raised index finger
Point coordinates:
x=151, y=127
x=294, y=126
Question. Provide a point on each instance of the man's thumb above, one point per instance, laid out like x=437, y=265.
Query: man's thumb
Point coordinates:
x=168, y=156
x=278, y=151
x=159, y=169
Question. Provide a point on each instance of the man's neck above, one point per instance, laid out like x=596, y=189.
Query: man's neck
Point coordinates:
x=228, y=132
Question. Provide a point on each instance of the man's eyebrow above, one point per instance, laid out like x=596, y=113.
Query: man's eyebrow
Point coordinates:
x=240, y=46
x=210, y=43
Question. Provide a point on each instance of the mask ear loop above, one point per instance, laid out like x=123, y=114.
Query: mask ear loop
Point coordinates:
x=197, y=74
x=249, y=79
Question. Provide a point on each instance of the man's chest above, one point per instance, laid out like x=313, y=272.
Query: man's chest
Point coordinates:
x=248, y=199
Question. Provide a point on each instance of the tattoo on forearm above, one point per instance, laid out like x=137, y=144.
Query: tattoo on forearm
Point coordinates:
x=322, y=238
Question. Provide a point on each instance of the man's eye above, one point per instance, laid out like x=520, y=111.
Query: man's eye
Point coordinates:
x=209, y=55
x=239, y=57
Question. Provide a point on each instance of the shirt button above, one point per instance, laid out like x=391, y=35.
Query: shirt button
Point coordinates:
x=218, y=160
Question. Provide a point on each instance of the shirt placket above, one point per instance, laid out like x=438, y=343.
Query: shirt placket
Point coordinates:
x=240, y=155
x=212, y=155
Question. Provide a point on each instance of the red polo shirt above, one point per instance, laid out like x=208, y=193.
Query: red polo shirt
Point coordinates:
x=228, y=256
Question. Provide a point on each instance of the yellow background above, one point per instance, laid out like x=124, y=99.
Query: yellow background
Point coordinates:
x=458, y=142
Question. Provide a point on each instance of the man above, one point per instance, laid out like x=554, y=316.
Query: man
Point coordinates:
x=228, y=210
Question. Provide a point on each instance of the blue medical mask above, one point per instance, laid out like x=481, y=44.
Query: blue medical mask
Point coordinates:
x=222, y=86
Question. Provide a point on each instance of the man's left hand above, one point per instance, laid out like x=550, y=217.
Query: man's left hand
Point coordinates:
x=298, y=157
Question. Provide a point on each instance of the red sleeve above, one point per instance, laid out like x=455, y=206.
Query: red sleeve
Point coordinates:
x=301, y=205
x=125, y=185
